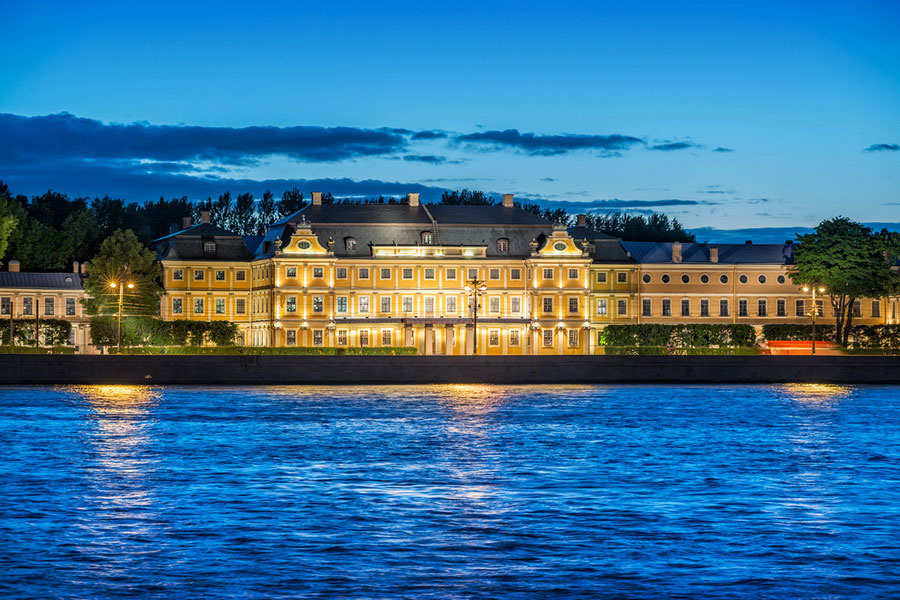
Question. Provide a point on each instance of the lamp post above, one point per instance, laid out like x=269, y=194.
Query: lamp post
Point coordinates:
x=121, y=286
x=475, y=288
x=815, y=310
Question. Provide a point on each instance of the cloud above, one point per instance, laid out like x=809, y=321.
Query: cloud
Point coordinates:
x=674, y=146
x=430, y=135
x=721, y=149
x=549, y=179
x=549, y=145
x=431, y=159
x=883, y=148
x=63, y=135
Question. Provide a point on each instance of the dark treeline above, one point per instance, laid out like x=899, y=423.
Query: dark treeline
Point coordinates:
x=51, y=231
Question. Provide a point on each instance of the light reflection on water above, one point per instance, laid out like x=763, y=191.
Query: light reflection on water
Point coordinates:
x=450, y=491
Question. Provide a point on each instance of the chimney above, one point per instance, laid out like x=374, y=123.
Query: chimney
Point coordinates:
x=676, y=252
x=581, y=220
x=317, y=198
x=185, y=222
x=413, y=199
x=204, y=216
x=507, y=200
x=13, y=266
x=75, y=266
x=748, y=241
x=84, y=268
x=713, y=254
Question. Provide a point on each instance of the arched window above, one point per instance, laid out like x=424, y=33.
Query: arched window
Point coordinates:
x=350, y=244
x=503, y=245
x=427, y=238
x=209, y=248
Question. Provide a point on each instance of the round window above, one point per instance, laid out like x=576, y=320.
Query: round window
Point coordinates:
x=781, y=279
x=761, y=279
x=723, y=278
x=559, y=246
x=704, y=278
x=303, y=245
x=664, y=278
x=685, y=278
x=646, y=278
x=743, y=279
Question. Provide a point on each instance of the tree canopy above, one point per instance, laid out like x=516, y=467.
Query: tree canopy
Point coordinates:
x=122, y=259
x=850, y=261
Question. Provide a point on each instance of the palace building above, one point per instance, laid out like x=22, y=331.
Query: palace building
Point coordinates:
x=384, y=275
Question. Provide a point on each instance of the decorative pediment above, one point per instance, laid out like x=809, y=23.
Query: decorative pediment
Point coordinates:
x=304, y=242
x=560, y=243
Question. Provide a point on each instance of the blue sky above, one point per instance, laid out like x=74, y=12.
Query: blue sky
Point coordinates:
x=724, y=114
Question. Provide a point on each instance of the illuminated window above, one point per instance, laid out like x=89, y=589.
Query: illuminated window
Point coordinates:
x=219, y=306
x=451, y=304
x=177, y=306
x=364, y=337
x=291, y=339
x=198, y=306
x=318, y=304
x=27, y=306
x=513, y=337
x=363, y=304
x=548, y=305
x=407, y=304
x=291, y=272
x=198, y=275
x=342, y=305
x=70, y=307
x=350, y=244
x=493, y=337
x=547, y=337
x=209, y=248
x=318, y=272
x=291, y=304
x=385, y=304
x=427, y=238
x=220, y=275
x=341, y=337
x=573, y=305
x=386, y=337
x=50, y=306
x=177, y=274
x=601, y=306
x=573, y=337
x=573, y=273
x=515, y=305
x=548, y=273
x=503, y=245
x=341, y=273
x=318, y=337
x=494, y=304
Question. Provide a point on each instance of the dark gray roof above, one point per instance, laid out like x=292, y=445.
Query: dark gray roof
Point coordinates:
x=49, y=281
x=661, y=252
x=475, y=214
x=362, y=213
x=187, y=244
x=610, y=251
x=586, y=233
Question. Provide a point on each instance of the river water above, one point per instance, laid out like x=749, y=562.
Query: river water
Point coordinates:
x=457, y=491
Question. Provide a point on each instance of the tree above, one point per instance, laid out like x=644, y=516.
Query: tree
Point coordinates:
x=291, y=202
x=80, y=234
x=850, y=261
x=265, y=212
x=122, y=258
x=466, y=196
x=243, y=217
x=639, y=228
x=8, y=218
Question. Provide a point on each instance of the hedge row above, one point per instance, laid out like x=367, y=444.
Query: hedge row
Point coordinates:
x=53, y=332
x=33, y=350
x=149, y=331
x=689, y=335
x=258, y=350
x=861, y=336
x=793, y=332
x=700, y=351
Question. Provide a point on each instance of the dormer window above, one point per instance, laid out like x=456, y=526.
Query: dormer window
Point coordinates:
x=503, y=245
x=209, y=248
x=350, y=244
x=427, y=238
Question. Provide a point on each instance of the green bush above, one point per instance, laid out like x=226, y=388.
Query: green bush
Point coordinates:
x=259, y=351
x=33, y=350
x=149, y=331
x=53, y=332
x=861, y=336
x=689, y=335
x=791, y=332
x=663, y=350
x=876, y=336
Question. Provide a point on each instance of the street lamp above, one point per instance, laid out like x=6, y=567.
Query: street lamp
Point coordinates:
x=815, y=310
x=114, y=285
x=476, y=289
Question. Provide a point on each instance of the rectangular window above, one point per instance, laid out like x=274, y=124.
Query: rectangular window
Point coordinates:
x=515, y=274
x=685, y=307
x=547, y=337
x=318, y=337
x=341, y=273
x=70, y=307
x=472, y=274
x=50, y=306
x=623, y=307
x=622, y=277
x=291, y=272
x=451, y=304
x=291, y=337
x=646, y=307
x=318, y=272
x=548, y=305
x=385, y=273
x=386, y=337
x=857, y=308
x=601, y=276
x=573, y=273
x=573, y=305
x=450, y=273
x=177, y=306
x=198, y=306
x=385, y=304
x=363, y=272
x=429, y=306
x=240, y=275
x=781, y=307
x=429, y=273
x=704, y=307
x=666, y=307
x=342, y=305
x=493, y=273
x=762, y=309
x=341, y=337
x=742, y=308
x=513, y=337
x=177, y=274
x=364, y=304
x=799, y=308
x=493, y=337
x=820, y=308
x=220, y=275
x=5, y=305
x=723, y=307
x=407, y=273
x=602, y=307
x=548, y=273
x=363, y=337
x=515, y=305
x=318, y=304
x=240, y=306
x=494, y=304
x=573, y=338
x=198, y=275
x=876, y=309
x=291, y=304
x=407, y=304
x=220, y=306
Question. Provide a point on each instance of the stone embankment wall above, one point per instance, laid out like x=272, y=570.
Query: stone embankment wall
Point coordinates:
x=334, y=370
